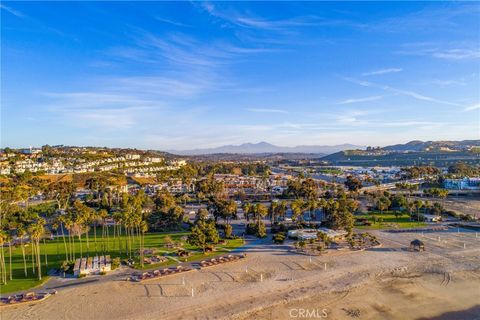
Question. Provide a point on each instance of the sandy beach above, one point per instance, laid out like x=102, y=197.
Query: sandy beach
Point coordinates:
x=388, y=282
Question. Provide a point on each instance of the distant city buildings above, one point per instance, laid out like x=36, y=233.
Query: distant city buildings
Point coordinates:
x=462, y=184
x=65, y=160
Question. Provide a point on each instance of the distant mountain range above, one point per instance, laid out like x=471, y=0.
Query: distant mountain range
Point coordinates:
x=441, y=153
x=267, y=148
x=419, y=146
x=264, y=147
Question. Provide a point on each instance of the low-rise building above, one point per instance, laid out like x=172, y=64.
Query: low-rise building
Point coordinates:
x=462, y=184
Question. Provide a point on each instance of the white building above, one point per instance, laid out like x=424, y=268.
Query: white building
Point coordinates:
x=31, y=150
x=132, y=156
x=462, y=184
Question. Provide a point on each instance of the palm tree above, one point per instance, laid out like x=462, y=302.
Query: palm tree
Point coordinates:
x=143, y=229
x=61, y=220
x=9, y=239
x=69, y=226
x=272, y=211
x=102, y=214
x=118, y=224
x=260, y=212
x=247, y=208
x=21, y=233
x=297, y=208
x=282, y=209
x=418, y=204
x=36, y=232
x=78, y=230
x=3, y=269
x=55, y=228
x=95, y=217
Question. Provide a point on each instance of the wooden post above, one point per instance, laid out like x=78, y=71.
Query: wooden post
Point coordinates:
x=192, y=292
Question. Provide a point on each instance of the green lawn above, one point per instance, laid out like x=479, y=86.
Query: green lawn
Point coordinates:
x=389, y=221
x=55, y=253
x=197, y=255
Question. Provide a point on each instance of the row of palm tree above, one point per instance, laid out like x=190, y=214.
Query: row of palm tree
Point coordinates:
x=72, y=223
x=34, y=229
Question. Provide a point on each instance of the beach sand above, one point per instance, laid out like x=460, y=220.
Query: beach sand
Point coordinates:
x=389, y=282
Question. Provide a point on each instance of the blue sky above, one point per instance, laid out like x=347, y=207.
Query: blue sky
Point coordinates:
x=187, y=75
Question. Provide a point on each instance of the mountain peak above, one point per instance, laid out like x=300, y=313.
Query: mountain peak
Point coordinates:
x=265, y=147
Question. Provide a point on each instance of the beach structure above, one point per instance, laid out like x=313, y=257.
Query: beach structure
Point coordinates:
x=155, y=274
x=303, y=234
x=417, y=245
x=307, y=234
x=91, y=265
x=432, y=218
x=29, y=297
x=219, y=260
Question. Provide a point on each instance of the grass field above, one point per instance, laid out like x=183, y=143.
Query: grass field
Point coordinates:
x=55, y=255
x=390, y=221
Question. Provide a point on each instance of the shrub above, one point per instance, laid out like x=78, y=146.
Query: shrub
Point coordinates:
x=351, y=242
x=278, y=227
x=228, y=231
x=115, y=263
x=257, y=229
x=301, y=244
x=67, y=266
x=466, y=217
x=251, y=228
x=169, y=241
x=262, y=230
x=279, y=238
x=183, y=253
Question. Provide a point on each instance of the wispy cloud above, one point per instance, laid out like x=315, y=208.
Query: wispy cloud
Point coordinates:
x=182, y=51
x=170, y=86
x=474, y=107
x=455, y=51
x=409, y=123
x=457, y=54
x=172, y=22
x=12, y=11
x=261, y=110
x=123, y=118
x=431, y=18
x=261, y=23
x=359, y=100
x=382, y=71
x=407, y=93
x=447, y=83
x=99, y=109
x=94, y=99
